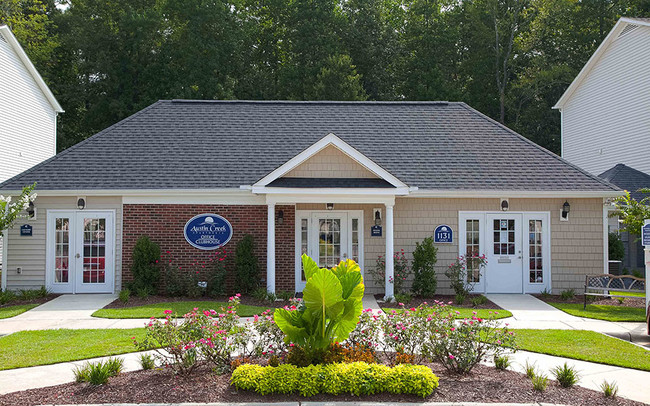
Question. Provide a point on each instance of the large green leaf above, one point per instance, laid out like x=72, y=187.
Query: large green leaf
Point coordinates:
x=349, y=318
x=291, y=324
x=309, y=266
x=323, y=296
x=345, y=267
x=350, y=281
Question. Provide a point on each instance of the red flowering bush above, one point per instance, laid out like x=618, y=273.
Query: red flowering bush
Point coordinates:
x=366, y=333
x=208, y=336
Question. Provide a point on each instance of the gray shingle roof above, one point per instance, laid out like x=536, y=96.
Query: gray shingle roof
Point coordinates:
x=225, y=144
x=628, y=179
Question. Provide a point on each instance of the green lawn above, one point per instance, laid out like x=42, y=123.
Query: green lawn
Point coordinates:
x=631, y=294
x=584, y=345
x=603, y=312
x=11, y=311
x=466, y=313
x=179, y=308
x=43, y=347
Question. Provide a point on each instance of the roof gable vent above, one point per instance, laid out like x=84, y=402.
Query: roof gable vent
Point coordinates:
x=3, y=39
x=628, y=28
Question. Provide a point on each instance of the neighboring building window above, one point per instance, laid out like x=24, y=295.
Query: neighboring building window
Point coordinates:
x=472, y=242
x=355, y=240
x=504, y=237
x=62, y=250
x=304, y=224
x=535, y=251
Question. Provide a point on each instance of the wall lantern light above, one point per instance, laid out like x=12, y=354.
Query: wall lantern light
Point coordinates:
x=377, y=217
x=31, y=210
x=566, y=208
x=505, y=205
x=330, y=206
x=281, y=217
x=81, y=203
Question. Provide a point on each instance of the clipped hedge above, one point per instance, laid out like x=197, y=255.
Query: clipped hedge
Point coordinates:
x=356, y=378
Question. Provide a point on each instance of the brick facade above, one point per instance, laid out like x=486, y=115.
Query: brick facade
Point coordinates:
x=164, y=224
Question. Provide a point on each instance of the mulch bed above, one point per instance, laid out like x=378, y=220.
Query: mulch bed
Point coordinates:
x=39, y=301
x=484, y=384
x=416, y=301
x=136, y=301
x=595, y=300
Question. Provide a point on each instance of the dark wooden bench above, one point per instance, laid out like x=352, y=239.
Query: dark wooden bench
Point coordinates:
x=605, y=283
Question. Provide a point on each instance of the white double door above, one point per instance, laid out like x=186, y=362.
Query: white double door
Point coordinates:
x=80, y=251
x=328, y=238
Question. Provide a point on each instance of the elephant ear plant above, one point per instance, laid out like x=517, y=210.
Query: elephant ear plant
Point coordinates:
x=332, y=304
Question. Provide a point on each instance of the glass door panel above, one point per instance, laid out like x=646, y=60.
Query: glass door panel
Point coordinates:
x=94, y=250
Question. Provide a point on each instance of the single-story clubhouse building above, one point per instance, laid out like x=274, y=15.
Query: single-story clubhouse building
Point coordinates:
x=333, y=180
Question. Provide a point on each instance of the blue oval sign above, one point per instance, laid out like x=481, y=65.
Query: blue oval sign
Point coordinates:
x=208, y=231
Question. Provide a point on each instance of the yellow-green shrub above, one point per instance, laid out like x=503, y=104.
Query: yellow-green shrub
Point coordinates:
x=356, y=378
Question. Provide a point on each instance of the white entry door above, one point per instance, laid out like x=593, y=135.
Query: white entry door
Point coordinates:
x=81, y=252
x=329, y=238
x=504, y=271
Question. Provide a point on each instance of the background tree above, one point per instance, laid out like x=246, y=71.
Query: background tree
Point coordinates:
x=632, y=213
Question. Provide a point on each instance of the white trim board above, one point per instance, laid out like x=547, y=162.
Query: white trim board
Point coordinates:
x=347, y=149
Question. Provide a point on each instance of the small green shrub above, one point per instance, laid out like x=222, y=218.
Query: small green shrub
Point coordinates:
x=530, y=369
x=567, y=376
x=125, y=295
x=616, y=247
x=147, y=361
x=502, y=362
x=174, y=281
x=247, y=273
x=284, y=295
x=217, y=277
x=610, y=390
x=479, y=300
x=356, y=378
x=464, y=272
x=637, y=274
x=271, y=297
x=460, y=298
x=404, y=298
x=620, y=300
x=43, y=292
x=7, y=296
x=260, y=293
x=97, y=373
x=546, y=293
x=143, y=293
x=540, y=381
x=568, y=294
x=28, y=294
x=144, y=268
x=424, y=272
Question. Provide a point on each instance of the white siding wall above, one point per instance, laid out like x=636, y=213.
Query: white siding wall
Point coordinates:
x=28, y=253
x=27, y=119
x=607, y=119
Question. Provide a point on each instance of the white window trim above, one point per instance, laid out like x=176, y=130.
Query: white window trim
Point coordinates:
x=527, y=287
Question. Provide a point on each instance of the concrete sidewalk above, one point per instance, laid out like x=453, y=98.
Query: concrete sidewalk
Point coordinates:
x=532, y=313
x=67, y=311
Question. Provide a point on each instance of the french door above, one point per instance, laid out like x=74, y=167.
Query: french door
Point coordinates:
x=80, y=251
x=329, y=238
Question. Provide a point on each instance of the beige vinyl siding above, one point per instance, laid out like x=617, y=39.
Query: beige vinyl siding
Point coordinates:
x=331, y=162
x=27, y=119
x=606, y=121
x=576, y=245
x=29, y=252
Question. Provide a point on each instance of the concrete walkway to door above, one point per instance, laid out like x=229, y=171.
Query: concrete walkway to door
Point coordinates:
x=67, y=311
x=530, y=312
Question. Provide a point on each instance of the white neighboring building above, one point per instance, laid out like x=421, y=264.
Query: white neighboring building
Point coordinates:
x=606, y=110
x=28, y=111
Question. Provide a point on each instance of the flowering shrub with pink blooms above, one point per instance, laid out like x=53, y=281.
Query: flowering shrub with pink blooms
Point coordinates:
x=464, y=273
x=401, y=272
x=265, y=337
x=366, y=333
x=209, y=336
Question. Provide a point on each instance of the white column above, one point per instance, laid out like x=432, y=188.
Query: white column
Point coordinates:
x=270, y=249
x=389, y=253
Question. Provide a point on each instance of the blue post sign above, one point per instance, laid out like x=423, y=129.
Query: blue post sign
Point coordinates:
x=26, y=231
x=208, y=231
x=645, y=235
x=443, y=234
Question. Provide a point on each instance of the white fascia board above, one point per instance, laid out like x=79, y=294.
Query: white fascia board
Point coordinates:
x=398, y=191
x=133, y=192
x=336, y=199
x=319, y=145
x=514, y=193
x=13, y=42
x=593, y=60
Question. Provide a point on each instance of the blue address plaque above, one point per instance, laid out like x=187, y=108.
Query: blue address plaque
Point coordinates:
x=208, y=231
x=26, y=230
x=443, y=234
x=645, y=235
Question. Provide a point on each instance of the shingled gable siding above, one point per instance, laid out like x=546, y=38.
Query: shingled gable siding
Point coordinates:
x=330, y=162
x=164, y=224
x=29, y=252
x=576, y=245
